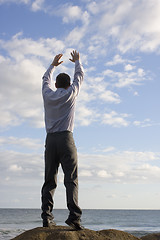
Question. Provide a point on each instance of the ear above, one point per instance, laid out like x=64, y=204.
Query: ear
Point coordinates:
x=68, y=86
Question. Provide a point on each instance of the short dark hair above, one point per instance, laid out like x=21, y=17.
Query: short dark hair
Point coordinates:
x=63, y=80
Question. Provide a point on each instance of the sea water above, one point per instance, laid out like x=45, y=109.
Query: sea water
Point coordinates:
x=137, y=222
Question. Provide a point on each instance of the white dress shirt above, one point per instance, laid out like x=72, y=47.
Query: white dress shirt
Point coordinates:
x=59, y=105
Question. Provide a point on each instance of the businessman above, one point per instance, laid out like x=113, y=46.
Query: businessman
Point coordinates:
x=59, y=108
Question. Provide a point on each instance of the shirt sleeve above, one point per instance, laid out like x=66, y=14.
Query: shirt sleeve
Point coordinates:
x=46, y=84
x=78, y=77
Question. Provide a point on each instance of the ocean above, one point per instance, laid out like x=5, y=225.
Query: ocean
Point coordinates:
x=137, y=222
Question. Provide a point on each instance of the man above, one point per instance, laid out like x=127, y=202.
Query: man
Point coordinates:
x=60, y=148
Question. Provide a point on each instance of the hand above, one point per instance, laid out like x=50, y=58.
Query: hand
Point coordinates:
x=56, y=60
x=75, y=56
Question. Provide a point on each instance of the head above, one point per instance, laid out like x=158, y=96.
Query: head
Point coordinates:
x=63, y=81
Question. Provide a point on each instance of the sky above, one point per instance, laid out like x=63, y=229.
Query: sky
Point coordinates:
x=117, y=119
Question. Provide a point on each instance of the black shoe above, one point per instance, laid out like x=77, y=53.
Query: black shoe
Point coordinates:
x=48, y=223
x=74, y=224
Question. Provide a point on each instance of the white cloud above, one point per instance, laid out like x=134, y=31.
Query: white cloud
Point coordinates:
x=141, y=72
x=85, y=173
x=37, y=5
x=114, y=119
x=145, y=123
x=33, y=144
x=97, y=45
x=24, y=77
x=112, y=196
x=87, y=112
x=21, y=92
x=108, y=149
x=71, y=13
x=28, y=58
x=122, y=167
x=103, y=174
x=110, y=96
x=126, y=78
x=142, y=30
x=30, y=165
x=14, y=1
x=131, y=25
x=129, y=67
x=93, y=7
x=115, y=166
x=15, y=168
x=22, y=70
x=117, y=59
x=136, y=93
x=20, y=48
x=8, y=118
x=20, y=170
x=75, y=36
x=97, y=89
x=116, y=12
x=84, y=115
x=149, y=172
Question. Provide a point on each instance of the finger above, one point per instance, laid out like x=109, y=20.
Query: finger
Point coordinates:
x=60, y=62
x=59, y=56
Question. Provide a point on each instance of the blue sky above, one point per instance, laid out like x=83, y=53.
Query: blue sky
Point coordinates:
x=117, y=124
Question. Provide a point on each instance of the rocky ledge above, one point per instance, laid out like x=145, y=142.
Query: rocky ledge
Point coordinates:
x=66, y=233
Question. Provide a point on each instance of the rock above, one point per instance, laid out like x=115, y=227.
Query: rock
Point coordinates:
x=154, y=236
x=66, y=233
x=113, y=234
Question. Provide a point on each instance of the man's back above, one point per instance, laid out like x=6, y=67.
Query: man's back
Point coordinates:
x=59, y=105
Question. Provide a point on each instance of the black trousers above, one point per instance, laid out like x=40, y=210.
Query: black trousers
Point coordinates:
x=60, y=149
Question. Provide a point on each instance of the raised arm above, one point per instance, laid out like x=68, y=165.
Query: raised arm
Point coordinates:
x=79, y=73
x=46, y=86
